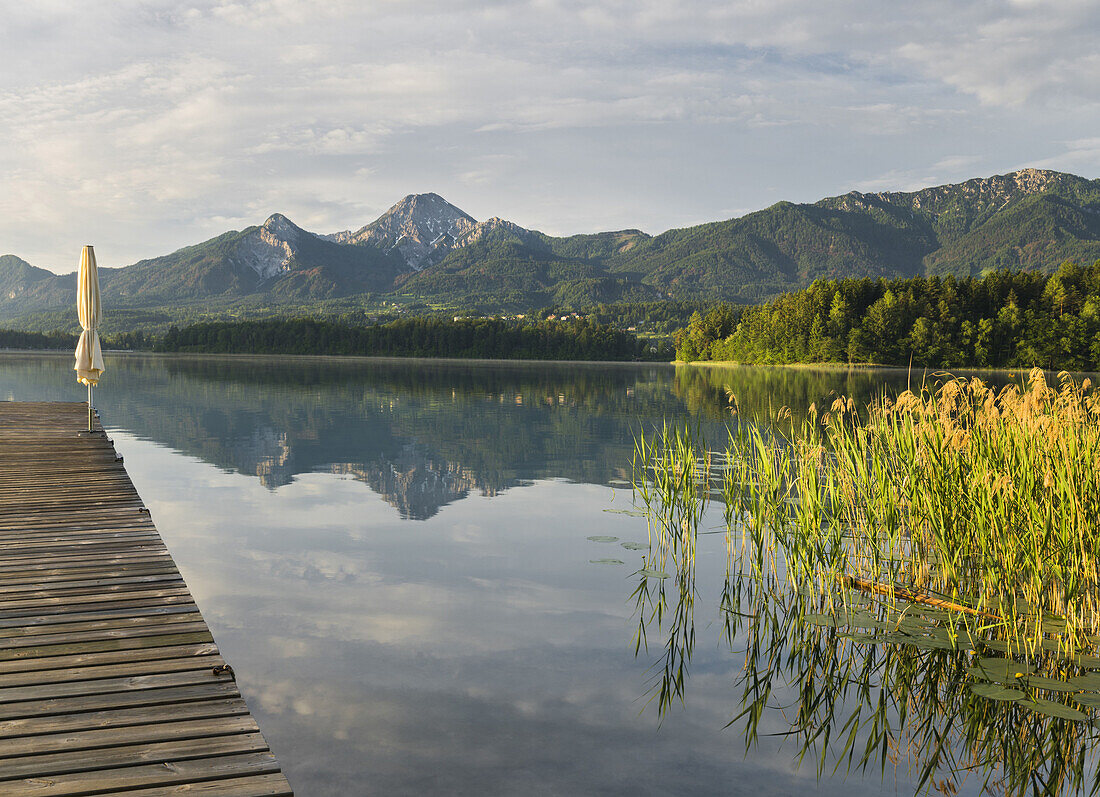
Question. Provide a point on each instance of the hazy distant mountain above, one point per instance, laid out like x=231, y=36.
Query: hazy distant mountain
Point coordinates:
x=426, y=247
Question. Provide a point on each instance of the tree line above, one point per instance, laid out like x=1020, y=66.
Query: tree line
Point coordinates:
x=484, y=338
x=1004, y=319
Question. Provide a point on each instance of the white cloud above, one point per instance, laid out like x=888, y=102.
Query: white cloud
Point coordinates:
x=145, y=124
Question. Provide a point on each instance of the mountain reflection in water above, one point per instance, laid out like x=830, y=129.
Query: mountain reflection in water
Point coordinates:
x=425, y=434
x=479, y=650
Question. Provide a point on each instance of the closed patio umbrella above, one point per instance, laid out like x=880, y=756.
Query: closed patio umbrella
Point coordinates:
x=89, y=358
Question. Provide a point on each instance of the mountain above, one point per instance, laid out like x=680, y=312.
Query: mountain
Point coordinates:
x=19, y=280
x=278, y=259
x=1029, y=219
x=422, y=228
x=426, y=249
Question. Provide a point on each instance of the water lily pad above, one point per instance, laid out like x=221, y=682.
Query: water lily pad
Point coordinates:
x=1089, y=681
x=1000, y=669
x=995, y=692
x=910, y=625
x=1050, y=684
x=819, y=619
x=628, y=512
x=1087, y=662
x=923, y=643
x=602, y=538
x=933, y=643
x=605, y=561
x=648, y=573
x=863, y=620
x=1052, y=709
x=634, y=546
x=1090, y=699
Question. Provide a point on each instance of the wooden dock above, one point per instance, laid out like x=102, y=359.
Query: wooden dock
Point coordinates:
x=108, y=679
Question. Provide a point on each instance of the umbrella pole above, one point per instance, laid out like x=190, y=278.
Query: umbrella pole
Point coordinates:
x=89, y=408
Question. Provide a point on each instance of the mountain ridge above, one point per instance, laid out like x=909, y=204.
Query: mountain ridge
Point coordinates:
x=424, y=248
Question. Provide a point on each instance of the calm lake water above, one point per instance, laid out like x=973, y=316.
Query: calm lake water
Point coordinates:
x=395, y=558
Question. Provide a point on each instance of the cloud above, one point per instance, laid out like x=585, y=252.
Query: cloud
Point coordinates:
x=145, y=124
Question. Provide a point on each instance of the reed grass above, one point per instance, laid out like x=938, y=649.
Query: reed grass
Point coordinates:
x=926, y=571
x=982, y=502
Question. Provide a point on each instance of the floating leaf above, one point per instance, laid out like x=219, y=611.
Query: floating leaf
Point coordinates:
x=994, y=692
x=819, y=619
x=1000, y=669
x=1052, y=709
x=1087, y=662
x=1089, y=681
x=909, y=626
x=1090, y=699
x=629, y=512
x=648, y=573
x=605, y=561
x=635, y=546
x=863, y=620
x=1050, y=684
x=932, y=643
x=602, y=538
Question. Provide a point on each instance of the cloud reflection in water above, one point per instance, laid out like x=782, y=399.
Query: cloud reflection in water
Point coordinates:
x=477, y=652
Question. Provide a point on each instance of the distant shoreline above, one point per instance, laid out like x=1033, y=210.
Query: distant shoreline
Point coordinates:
x=338, y=357
x=727, y=364
x=967, y=369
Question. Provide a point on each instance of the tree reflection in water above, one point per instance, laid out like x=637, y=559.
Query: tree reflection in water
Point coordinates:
x=857, y=682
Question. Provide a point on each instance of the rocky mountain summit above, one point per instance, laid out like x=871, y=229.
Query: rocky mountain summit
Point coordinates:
x=423, y=228
x=977, y=195
x=269, y=249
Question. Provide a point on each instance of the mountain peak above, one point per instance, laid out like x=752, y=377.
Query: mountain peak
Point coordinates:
x=279, y=225
x=423, y=228
x=427, y=208
x=269, y=249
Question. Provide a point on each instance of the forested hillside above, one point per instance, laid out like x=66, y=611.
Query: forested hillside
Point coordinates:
x=1005, y=319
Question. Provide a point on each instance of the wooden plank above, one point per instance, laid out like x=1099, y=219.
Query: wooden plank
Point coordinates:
x=70, y=648
x=172, y=773
x=53, y=764
x=120, y=717
x=108, y=672
x=45, y=621
x=35, y=674
x=88, y=625
x=99, y=738
x=173, y=626
x=213, y=689
x=257, y=786
x=100, y=686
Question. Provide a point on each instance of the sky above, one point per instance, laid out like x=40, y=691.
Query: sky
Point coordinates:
x=141, y=126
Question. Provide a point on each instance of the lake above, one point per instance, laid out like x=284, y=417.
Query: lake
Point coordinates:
x=396, y=558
